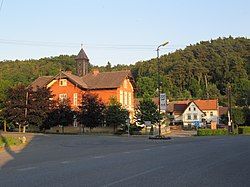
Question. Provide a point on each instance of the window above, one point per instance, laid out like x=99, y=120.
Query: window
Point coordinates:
x=125, y=84
x=129, y=99
x=75, y=99
x=189, y=109
x=194, y=109
x=195, y=116
x=125, y=98
x=62, y=97
x=189, y=117
x=211, y=114
x=63, y=82
x=121, y=97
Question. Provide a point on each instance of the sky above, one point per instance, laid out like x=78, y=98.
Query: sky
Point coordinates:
x=115, y=31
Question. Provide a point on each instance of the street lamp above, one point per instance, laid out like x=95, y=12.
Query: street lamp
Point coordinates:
x=159, y=91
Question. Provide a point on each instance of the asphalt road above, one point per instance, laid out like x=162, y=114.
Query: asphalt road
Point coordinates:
x=56, y=160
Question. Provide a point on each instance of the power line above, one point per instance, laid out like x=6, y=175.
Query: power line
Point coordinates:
x=74, y=45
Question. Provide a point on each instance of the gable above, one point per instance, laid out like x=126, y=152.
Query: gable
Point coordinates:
x=192, y=108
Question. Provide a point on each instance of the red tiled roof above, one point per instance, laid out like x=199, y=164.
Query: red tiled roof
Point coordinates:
x=211, y=104
x=180, y=106
x=223, y=110
x=106, y=80
x=40, y=82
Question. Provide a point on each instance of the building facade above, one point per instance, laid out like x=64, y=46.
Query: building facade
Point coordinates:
x=65, y=85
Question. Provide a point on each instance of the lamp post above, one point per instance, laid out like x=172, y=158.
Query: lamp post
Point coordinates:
x=159, y=91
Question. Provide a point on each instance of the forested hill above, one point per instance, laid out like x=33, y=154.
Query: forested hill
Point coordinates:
x=183, y=73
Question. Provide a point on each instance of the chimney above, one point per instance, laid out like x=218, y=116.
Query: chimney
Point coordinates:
x=69, y=72
x=95, y=71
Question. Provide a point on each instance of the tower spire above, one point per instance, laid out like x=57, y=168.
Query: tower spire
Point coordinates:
x=82, y=63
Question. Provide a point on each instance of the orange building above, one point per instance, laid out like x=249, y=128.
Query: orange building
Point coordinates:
x=65, y=85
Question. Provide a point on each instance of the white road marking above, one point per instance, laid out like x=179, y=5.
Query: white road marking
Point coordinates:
x=99, y=156
x=163, y=147
x=147, y=149
x=134, y=176
x=26, y=169
x=65, y=162
x=127, y=152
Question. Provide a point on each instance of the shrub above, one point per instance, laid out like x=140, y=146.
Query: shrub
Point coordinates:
x=244, y=130
x=9, y=141
x=210, y=132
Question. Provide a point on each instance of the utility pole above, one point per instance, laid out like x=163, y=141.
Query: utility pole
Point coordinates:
x=230, y=124
x=159, y=85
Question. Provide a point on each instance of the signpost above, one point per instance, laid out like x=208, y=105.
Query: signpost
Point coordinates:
x=163, y=101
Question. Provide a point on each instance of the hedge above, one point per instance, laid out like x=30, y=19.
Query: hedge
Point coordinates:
x=9, y=141
x=244, y=130
x=210, y=132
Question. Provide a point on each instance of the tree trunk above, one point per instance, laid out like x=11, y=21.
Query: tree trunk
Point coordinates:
x=5, y=126
x=24, y=129
x=19, y=128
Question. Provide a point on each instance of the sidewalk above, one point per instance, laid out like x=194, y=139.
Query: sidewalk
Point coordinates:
x=182, y=133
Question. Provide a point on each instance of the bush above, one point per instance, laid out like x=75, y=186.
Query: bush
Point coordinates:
x=210, y=132
x=9, y=141
x=244, y=130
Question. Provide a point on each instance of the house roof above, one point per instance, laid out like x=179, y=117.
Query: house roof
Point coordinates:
x=76, y=79
x=82, y=55
x=223, y=110
x=180, y=106
x=106, y=80
x=40, y=82
x=211, y=104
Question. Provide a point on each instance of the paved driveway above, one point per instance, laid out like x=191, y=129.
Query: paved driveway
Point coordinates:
x=56, y=160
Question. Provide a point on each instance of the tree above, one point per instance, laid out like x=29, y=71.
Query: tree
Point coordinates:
x=15, y=106
x=147, y=111
x=40, y=105
x=238, y=116
x=115, y=114
x=91, y=111
x=24, y=106
x=61, y=115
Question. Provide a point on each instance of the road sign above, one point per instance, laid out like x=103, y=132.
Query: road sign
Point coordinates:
x=163, y=101
x=147, y=123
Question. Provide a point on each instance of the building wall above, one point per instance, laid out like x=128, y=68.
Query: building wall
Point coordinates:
x=125, y=95
x=70, y=89
x=214, y=117
x=192, y=111
x=105, y=95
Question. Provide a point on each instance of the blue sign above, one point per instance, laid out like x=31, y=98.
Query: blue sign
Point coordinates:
x=197, y=123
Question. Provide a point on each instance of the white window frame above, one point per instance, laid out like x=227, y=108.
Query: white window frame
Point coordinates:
x=63, y=97
x=121, y=97
x=75, y=99
x=125, y=98
x=62, y=82
x=129, y=99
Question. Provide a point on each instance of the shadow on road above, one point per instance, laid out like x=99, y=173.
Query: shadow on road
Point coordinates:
x=10, y=154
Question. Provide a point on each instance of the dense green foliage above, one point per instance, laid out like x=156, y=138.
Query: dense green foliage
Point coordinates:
x=9, y=141
x=210, y=132
x=244, y=130
x=92, y=111
x=24, y=106
x=183, y=73
x=147, y=111
x=115, y=115
x=60, y=115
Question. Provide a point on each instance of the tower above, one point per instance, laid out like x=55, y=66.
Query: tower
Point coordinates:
x=82, y=63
